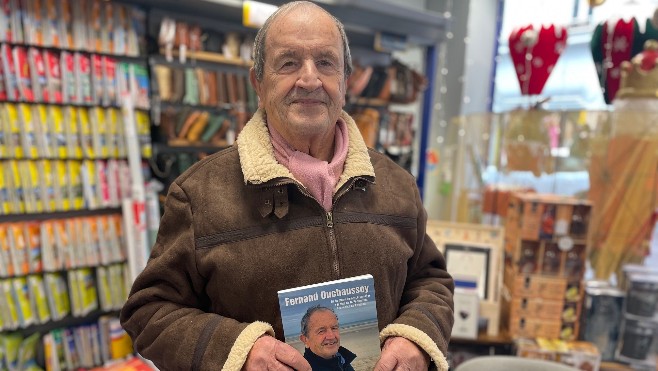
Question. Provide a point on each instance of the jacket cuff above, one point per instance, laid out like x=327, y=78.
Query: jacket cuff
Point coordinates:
x=240, y=349
x=419, y=338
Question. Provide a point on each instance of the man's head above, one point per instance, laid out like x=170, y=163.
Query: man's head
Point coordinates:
x=320, y=331
x=302, y=61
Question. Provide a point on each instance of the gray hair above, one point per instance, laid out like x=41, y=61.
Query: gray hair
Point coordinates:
x=309, y=312
x=259, y=43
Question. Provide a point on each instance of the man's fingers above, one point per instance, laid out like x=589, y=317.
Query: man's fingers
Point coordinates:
x=289, y=356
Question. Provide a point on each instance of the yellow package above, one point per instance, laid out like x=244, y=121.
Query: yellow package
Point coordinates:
x=12, y=308
x=35, y=195
x=98, y=132
x=4, y=133
x=42, y=131
x=14, y=139
x=86, y=137
x=75, y=185
x=60, y=186
x=144, y=133
x=120, y=134
x=7, y=269
x=38, y=297
x=14, y=187
x=89, y=184
x=73, y=145
x=87, y=287
x=57, y=132
x=46, y=185
x=74, y=293
x=4, y=191
x=28, y=135
x=111, y=133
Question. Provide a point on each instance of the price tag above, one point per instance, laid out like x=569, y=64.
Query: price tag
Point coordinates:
x=254, y=13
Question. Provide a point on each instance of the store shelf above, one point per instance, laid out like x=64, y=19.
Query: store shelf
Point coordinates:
x=75, y=105
x=119, y=57
x=177, y=146
x=180, y=106
x=211, y=57
x=58, y=215
x=68, y=321
x=502, y=339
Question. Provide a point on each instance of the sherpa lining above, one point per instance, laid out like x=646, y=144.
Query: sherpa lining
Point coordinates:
x=240, y=349
x=419, y=338
x=259, y=164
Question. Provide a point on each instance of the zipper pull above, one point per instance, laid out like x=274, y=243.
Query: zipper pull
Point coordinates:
x=330, y=220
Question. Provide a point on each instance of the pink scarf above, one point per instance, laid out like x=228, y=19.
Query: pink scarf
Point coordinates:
x=319, y=177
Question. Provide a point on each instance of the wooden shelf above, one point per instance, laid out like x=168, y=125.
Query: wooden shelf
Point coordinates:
x=483, y=339
x=211, y=57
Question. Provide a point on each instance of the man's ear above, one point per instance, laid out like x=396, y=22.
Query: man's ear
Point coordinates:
x=256, y=85
x=303, y=339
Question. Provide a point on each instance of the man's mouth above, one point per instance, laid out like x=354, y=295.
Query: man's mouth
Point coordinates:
x=308, y=101
x=330, y=343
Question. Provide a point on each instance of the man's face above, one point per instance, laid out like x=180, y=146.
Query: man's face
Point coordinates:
x=323, y=334
x=303, y=85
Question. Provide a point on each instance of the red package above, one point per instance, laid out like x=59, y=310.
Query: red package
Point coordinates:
x=38, y=72
x=23, y=74
x=53, y=76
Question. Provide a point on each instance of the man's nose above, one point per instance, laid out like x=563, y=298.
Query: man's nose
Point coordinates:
x=309, y=78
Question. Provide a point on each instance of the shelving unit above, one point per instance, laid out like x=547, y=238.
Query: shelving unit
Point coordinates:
x=63, y=257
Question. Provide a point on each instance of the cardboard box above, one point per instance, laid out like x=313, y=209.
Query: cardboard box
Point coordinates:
x=579, y=354
x=536, y=286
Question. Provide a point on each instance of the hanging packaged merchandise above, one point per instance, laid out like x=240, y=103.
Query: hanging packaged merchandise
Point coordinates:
x=38, y=77
x=10, y=73
x=82, y=66
x=69, y=89
x=53, y=76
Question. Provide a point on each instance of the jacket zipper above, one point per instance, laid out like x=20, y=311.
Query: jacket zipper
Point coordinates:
x=332, y=234
x=333, y=245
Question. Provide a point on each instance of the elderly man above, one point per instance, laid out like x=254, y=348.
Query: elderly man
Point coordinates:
x=321, y=338
x=298, y=200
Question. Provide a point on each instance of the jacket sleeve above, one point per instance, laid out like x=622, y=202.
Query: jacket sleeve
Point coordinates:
x=426, y=308
x=165, y=315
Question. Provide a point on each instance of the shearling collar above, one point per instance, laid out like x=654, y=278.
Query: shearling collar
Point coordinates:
x=259, y=164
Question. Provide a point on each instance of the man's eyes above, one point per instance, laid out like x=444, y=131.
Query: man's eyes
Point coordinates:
x=291, y=64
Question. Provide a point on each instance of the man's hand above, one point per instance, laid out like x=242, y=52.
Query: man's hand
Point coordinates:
x=269, y=353
x=400, y=354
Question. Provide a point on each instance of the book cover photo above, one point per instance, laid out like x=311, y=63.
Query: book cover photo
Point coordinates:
x=334, y=323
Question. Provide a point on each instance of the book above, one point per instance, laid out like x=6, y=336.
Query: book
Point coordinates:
x=352, y=300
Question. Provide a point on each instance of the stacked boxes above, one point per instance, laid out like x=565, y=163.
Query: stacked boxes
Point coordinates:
x=578, y=354
x=545, y=256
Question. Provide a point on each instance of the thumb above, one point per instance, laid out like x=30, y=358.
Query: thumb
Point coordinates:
x=387, y=362
x=289, y=356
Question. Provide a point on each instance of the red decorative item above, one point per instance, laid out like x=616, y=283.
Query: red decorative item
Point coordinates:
x=535, y=53
x=617, y=43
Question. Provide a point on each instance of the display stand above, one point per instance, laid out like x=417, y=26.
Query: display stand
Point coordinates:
x=476, y=241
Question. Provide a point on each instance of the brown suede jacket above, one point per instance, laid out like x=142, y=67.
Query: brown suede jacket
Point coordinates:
x=238, y=227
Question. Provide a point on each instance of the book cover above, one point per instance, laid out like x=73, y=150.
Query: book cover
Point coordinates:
x=350, y=333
